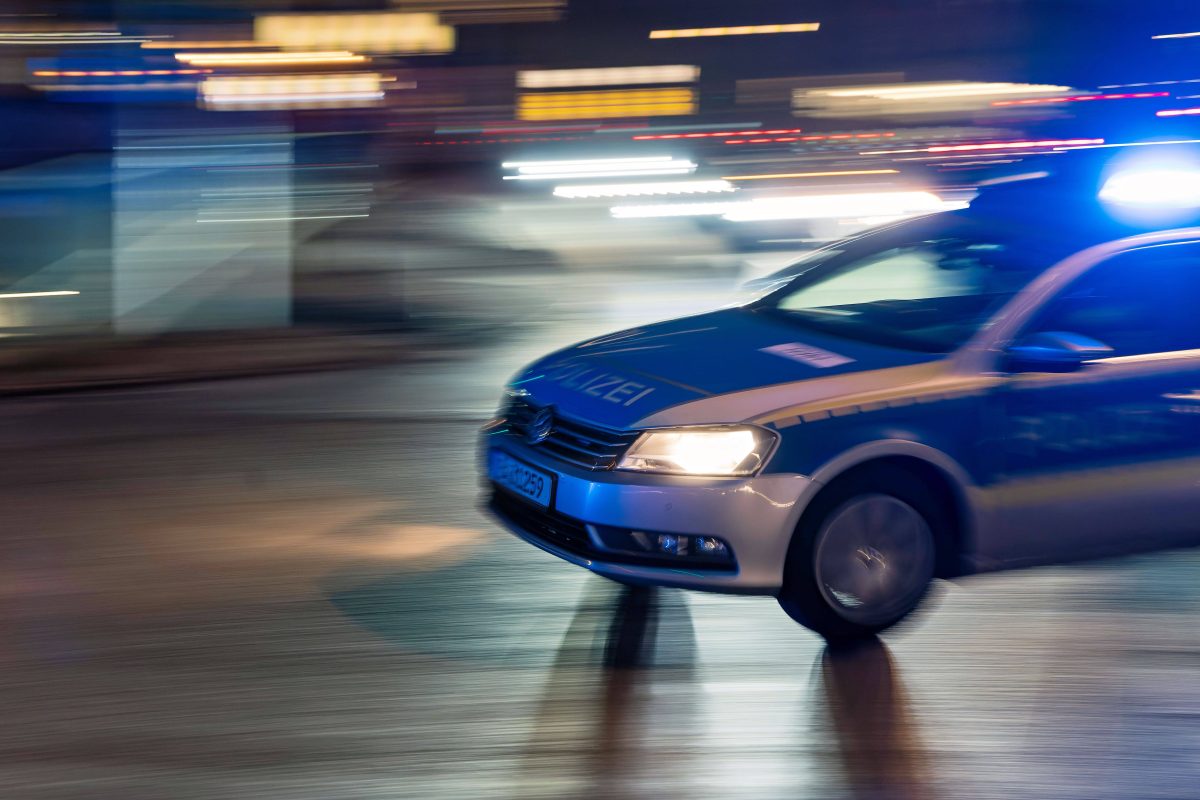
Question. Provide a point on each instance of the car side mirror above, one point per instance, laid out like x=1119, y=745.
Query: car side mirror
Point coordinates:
x=1053, y=351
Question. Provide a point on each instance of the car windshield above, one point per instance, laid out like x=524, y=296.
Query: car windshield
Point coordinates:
x=926, y=286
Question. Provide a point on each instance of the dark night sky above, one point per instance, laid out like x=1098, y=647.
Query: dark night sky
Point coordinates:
x=1073, y=41
x=1081, y=42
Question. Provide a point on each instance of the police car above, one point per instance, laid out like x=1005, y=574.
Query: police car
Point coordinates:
x=1014, y=383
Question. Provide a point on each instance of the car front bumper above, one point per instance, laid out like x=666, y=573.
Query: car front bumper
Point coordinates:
x=755, y=516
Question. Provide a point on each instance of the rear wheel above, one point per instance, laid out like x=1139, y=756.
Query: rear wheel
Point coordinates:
x=864, y=554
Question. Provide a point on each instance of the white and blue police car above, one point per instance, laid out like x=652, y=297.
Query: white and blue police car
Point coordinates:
x=1014, y=383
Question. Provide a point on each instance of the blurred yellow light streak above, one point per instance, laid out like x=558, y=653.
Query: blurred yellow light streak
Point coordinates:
x=375, y=32
x=468, y=5
x=591, y=105
x=739, y=30
x=202, y=45
x=837, y=173
x=54, y=73
x=268, y=59
x=466, y=12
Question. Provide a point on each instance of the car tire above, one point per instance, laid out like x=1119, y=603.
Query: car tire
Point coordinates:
x=864, y=553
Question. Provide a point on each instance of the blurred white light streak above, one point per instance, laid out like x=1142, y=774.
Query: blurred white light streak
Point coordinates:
x=1024, y=176
x=202, y=146
x=837, y=173
x=929, y=91
x=955, y=148
x=1190, y=35
x=292, y=91
x=609, y=76
x=18, y=295
x=1147, y=83
x=70, y=37
x=598, y=168
x=643, y=189
x=672, y=210
x=1132, y=144
x=608, y=174
x=942, y=161
x=55, y=34
x=834, y=206
x=606, y=168
x=575, y=162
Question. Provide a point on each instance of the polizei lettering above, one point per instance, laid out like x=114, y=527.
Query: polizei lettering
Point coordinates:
x=598, y=383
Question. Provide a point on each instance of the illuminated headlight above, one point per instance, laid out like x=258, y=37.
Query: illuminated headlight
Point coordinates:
x=716, y=451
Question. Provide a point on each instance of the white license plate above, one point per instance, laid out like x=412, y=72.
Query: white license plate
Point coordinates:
x=520, y=478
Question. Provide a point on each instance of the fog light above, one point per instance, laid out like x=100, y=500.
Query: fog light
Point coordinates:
x=709, y=551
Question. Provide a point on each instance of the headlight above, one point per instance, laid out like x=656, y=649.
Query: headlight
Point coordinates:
x=728, y=450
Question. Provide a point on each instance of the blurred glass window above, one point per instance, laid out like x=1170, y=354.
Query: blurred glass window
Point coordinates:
x=934, y=285
x=1139, y=302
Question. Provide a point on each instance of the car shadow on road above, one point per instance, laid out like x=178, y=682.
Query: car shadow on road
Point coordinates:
x=617, y=701
x=862, y=711
x=624, y=714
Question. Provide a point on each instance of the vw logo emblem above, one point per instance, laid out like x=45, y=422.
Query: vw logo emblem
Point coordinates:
x=540, y=426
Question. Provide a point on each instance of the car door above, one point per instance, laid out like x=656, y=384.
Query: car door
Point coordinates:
x=1106, y=458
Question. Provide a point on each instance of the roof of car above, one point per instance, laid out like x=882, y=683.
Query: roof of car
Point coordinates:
x=1061, y=197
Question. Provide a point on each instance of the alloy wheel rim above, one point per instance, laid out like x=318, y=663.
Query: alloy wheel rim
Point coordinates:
x=874, y=558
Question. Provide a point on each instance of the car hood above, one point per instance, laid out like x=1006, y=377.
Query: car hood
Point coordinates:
x=629, y=376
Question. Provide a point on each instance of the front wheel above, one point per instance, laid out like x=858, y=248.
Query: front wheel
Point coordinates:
x=864, y=555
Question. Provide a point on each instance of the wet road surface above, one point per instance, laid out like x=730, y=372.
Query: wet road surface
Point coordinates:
x=282, y=588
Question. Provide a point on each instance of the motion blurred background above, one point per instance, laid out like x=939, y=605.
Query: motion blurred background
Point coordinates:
x=371, y=212
x=212, y=165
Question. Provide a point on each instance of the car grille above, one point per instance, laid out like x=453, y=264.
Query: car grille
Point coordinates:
x=565, y=532
x=583, y=444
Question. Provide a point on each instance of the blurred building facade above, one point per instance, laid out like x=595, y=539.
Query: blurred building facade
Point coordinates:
x=164, y=159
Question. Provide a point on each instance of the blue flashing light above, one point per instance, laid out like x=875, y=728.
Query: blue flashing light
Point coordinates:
x=1163, y=188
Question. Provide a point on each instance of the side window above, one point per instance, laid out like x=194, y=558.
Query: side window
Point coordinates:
x=1143, y=301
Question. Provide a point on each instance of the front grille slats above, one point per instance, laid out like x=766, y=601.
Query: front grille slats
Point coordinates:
x=562, y=442
x=582, y=444
x=594, y=435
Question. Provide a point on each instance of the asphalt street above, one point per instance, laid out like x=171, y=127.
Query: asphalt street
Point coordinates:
x=283, y=588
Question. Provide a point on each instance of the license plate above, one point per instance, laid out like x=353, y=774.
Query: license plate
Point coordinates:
x=520, y=478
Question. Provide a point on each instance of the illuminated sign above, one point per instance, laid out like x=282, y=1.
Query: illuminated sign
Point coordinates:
x=611, y=76
x=383, y=32
x=595, y=105
x=238, y=92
